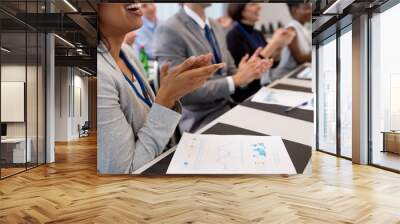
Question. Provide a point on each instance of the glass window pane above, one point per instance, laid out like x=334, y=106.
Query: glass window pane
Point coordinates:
x=14, y=153
x=31, y=97
x=22, y=87
x=385, y=89
x=41, y=98
x=346, y=94
x=327, y=97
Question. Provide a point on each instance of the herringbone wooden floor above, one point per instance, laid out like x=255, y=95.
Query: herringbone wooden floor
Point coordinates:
x=70, y=191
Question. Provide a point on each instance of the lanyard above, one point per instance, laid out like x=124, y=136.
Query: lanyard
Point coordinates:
x=143, y=97
x=255, y=42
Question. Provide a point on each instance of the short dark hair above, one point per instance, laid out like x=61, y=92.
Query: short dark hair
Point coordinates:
x=292, y=6
x=235, y=10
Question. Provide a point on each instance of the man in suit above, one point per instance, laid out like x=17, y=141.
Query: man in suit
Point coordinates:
x=189, y=33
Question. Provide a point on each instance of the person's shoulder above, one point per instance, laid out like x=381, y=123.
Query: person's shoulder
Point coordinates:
x=105, y=72
x=215, y=25
x=293, y=23
x=102, y=64
x=171, y=29
x=172, y=22
x=234, y=33
x=233, y=30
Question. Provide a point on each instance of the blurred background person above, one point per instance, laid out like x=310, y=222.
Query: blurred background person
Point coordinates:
x=226, y=22
x=190, y=32
x=244, y=39
x=130, y=38
x=299, y=50
x=145, y=34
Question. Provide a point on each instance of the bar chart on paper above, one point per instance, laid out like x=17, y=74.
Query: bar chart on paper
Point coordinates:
x=230, y=154
x=284, y=97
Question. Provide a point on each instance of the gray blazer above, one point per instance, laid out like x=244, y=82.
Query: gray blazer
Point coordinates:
x=179, y=38
x=129, y=133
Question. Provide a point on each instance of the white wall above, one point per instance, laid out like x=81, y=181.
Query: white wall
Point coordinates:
x=274, y=13
x=80, y=84
x=166, y=10
x=69, y=82
x=13, y=100
x=13, y=73
x=62, y=81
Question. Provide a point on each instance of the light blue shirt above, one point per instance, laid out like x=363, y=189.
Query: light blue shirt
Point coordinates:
x=145, y=37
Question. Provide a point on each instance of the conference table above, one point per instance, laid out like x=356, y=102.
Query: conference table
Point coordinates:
x=252, y=118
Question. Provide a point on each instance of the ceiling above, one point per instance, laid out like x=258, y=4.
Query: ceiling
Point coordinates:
x=23, y=21
x=331, y=15
x=76, y=22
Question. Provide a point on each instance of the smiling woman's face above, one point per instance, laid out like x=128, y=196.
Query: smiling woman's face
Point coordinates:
x=119, y=18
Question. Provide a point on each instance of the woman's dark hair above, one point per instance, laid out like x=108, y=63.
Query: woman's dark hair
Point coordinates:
x=292, y=6
x=235, y=10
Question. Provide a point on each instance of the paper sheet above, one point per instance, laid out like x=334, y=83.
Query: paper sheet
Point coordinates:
x=230, y=154
x=305, y=74
x=284, y=97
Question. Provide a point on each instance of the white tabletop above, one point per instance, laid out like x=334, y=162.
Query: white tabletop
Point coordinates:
x=288, y=128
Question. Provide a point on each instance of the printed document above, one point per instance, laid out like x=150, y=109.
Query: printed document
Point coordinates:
x=230, y=154
x=285, y=98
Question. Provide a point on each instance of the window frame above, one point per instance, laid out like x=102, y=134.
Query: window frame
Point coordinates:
x=380, y=9
x=334, y=37
x=37, y=33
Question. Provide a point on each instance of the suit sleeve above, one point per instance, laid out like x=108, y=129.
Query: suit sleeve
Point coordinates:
x=120, y=149
x=169, y=45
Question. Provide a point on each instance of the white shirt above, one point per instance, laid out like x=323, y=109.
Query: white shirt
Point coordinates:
x=202, y=25
x=196, y=17
x=303, y=37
